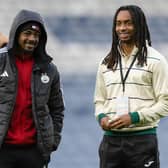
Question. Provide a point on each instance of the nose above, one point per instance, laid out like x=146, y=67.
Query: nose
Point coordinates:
x=122, y=26
x=32, y=37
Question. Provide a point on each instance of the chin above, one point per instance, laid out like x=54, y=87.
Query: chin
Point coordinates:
x=28, y=51
x=126, y=41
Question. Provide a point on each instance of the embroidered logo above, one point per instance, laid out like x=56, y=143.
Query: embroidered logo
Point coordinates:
x=149, y=163
x=4, y=74
x=45, y=78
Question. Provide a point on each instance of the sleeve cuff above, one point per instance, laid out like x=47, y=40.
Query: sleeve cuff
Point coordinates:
x=100, y=116
x=134, y=117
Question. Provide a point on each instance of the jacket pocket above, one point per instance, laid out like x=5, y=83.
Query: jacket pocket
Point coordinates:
x=47, y=130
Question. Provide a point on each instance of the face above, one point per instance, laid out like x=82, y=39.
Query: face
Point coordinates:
x=28, y=40
x=124, y=27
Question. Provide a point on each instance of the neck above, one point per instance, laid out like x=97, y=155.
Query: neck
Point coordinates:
x=127, y=48
x=24, y=56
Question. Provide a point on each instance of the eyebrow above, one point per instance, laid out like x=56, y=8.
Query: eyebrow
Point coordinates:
x=30, y=30
x=124, y=20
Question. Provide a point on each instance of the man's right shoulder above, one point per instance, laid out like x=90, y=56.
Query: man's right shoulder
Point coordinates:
x=3, y=55
x=3, y=50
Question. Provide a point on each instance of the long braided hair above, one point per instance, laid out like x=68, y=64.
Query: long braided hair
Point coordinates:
x=142, y=36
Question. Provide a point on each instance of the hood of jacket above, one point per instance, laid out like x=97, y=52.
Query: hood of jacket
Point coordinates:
x=21, y=18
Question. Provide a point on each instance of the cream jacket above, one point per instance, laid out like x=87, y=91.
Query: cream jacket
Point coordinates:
x=146, y=88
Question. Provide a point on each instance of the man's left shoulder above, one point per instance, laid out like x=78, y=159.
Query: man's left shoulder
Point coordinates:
x=53, y=66
x=52, y=69
x=155, y=54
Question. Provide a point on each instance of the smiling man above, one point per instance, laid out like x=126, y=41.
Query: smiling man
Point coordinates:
x=31, y=101
x=131, y=94
x=29, y=37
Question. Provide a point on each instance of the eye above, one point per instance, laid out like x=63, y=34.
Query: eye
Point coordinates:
x=129, y=23
x=118, y=23
x=26, y=33
x=37, y=35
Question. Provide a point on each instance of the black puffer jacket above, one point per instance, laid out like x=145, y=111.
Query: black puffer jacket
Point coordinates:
x=47, y=100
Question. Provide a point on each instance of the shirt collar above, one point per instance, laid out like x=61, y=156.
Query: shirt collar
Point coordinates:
x=133, y=53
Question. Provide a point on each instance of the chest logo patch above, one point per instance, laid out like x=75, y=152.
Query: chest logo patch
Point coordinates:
x=44, y=78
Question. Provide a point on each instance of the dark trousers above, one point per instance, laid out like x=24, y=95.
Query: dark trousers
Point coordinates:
x=129, y=152
x=20, y=157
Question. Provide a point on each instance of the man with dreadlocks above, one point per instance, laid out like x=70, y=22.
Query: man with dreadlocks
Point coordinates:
x=131, y=94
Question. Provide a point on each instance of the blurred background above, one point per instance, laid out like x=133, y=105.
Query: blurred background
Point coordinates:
x=79, y=35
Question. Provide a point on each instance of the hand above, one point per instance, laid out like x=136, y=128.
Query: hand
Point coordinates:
x=3, y=40
x=104, y=123
x=120, y=122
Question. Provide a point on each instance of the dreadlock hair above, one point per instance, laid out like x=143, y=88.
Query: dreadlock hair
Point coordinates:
x=141, y=37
